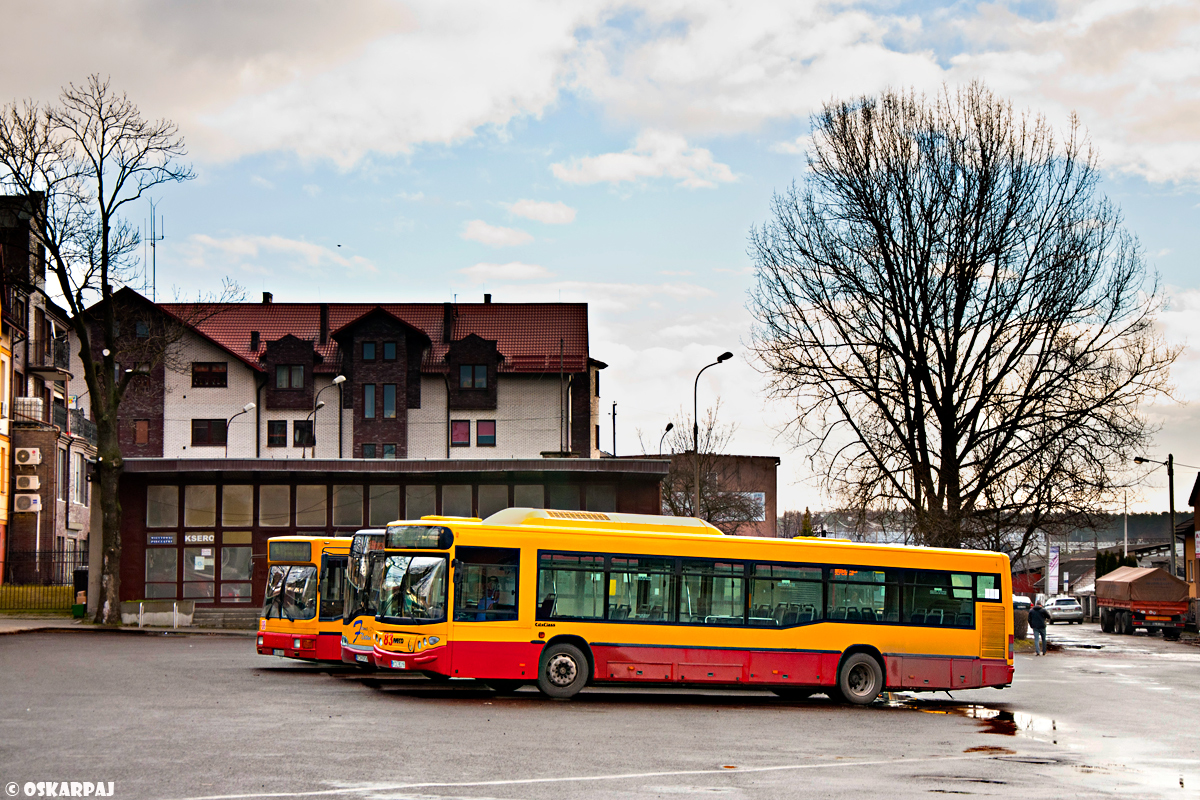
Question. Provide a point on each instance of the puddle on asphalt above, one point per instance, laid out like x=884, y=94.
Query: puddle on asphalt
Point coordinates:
x=990, y=720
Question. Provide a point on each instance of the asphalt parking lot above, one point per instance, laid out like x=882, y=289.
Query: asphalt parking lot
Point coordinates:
x=189, y=716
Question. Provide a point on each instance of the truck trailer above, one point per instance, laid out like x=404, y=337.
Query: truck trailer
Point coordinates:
x=1140, y=597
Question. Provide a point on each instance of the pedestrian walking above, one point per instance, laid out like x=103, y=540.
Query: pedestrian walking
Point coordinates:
x=1037, y=624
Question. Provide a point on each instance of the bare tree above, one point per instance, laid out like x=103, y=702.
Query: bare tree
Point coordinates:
x=962, y=320
x=79, y=164
x=722, y=502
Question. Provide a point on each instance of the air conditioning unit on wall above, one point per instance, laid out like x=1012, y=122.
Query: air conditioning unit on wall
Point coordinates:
x=28, y=456
x=28, y=483
x=27, y=502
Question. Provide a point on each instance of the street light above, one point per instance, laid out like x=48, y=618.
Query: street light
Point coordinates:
x=318, y=404
x=696, y=428
x=246, y=409
x=1170, y=464
x=670, y=425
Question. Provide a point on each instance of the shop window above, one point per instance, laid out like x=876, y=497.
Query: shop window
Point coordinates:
x=456, y=501
x=237, y=506
x=485, y=433
x=460, y=433
x=368, y=450
x=208, y=432
x=472, y=376
x=289, y=376
x=162, y=572
x=419, y=501
x=368, y=351
x=529, y=495
x=389, y=401
x=141, y=431
x=162, y=506
x=210, y=374
x=199, y=572
x=564, y=497
x=274, y=506
x=492, y=498
x=487, y=584
x=199, y=506
x=384, y=506
x=570, y=586
x=302, y=433
x=277, y=433
x=347, y=505
x=368, y=401
x=601, y=497
x=389, y=351
x=236, y=566
x=311, y=502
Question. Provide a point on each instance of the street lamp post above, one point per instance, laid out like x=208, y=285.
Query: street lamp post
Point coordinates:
x=1170, y=464
x=670, y=425
x=246, y=409
x=318, y=404
x=696, y=430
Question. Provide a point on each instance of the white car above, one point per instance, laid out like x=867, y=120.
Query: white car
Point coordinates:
x=1065, y=609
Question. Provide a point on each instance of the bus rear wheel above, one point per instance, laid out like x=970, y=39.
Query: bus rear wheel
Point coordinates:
x=563, y=670
x=860, y=679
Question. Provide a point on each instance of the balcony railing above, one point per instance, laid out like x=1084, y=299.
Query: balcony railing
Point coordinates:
x=82, y=426
x=59, y=417
x=28, y=410
x=49, y=354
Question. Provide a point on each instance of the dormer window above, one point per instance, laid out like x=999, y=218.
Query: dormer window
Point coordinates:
x=472, y=376
x=289, y=376
x=368, y=351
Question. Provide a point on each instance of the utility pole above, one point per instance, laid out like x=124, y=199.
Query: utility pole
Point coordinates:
x=614, y=428
x=1171, y=499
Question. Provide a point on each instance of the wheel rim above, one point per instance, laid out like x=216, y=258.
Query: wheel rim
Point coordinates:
x=860, y=680
x=561, y=670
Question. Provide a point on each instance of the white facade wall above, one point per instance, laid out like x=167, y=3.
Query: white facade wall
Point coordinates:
x=526, y=415
x=427, y=435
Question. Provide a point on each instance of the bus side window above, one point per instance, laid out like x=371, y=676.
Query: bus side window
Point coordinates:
x=785, y=595
x=643, y=588
x=571, y=586
x=333, y=581
x=485, y=589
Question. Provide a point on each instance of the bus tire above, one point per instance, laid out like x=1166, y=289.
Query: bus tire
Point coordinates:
x=563, y=670
x=794, y=692
x=860, y=679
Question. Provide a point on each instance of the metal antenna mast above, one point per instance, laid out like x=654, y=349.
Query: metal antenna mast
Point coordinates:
x=156, y=236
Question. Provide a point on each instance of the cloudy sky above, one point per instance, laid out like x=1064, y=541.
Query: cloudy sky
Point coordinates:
x=615, y=153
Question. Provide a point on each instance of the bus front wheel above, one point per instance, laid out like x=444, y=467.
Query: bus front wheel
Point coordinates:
x=563, y=670
x=860, y=679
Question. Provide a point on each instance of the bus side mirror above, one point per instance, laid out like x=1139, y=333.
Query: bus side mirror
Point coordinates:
x=456, y=565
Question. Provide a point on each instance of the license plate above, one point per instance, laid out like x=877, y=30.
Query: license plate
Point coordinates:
x=363, y=659
x=398, y=665
x=278, y=653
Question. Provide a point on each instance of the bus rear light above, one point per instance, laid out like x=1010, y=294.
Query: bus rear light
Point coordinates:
x=1010, y=645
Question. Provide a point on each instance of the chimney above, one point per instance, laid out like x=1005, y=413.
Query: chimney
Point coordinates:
x=447, y=323
x=324, y=322
x=266, y=298
x=487, y=298
x=253, y=341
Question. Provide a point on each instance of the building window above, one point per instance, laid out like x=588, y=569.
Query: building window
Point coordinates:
x=472, y=376
x=389, y=401
x=389, y=451
x=208, y=432
x=289, y=376
x=62, y=475
x=597, y=376
x=485, y=433
x=368, y=451
x=460, y=433
x=277, y=433
x=302, y=433
x=368, y=401
x=141, y=431
x=141, y=329
x=389, y=351
x=210, y=374
x=368, y=351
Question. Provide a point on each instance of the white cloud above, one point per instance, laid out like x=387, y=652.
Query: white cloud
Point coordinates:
x=311, y=189
x=494, y=235
x=549, y=213
x=278, y=253
x=513, y=271
x=261, y=182
x=655, y=154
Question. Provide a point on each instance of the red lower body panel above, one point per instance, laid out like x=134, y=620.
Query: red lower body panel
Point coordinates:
x=362, y=656
x=324, y=647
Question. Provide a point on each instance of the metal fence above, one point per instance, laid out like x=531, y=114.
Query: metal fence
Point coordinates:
x=42, y=581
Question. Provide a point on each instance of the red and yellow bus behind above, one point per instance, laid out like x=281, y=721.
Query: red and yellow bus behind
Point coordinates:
x=362, y=597
x=303, y=605
x=568, y=598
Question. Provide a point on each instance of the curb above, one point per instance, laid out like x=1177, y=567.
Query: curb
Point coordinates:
x=244, y=634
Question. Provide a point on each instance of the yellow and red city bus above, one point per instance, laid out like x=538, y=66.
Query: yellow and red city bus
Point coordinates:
x=361, y=597
x=303, y=605
x=567, y=598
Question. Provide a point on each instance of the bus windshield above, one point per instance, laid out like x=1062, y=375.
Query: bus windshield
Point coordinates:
x=413, y=589
x=291, y=593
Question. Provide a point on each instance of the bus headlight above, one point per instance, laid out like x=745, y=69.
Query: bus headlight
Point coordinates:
x=295, y=644
x=260, y=641
x=434, y=640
